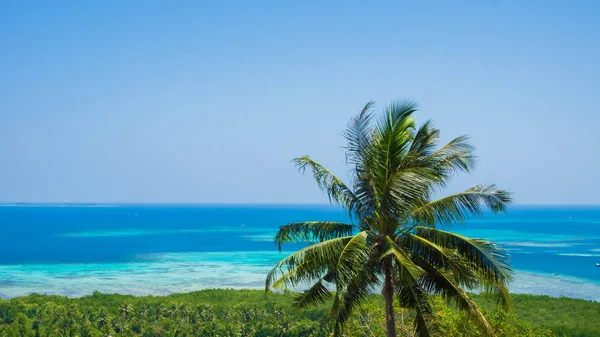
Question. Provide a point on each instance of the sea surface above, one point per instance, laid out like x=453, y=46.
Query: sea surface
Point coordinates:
x=74, y=250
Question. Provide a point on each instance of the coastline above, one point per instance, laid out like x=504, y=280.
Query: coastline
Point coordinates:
x=177, y=273
x=161, y=250
x=527, y=282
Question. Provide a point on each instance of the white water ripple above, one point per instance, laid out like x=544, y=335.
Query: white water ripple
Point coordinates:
x=162, y=274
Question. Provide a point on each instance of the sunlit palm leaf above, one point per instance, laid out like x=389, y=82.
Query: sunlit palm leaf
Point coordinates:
x=393, y=135
x=440, y=282
x=465, y=271
x=308, y=264
x=458, y=207
x=490, y=259
x=408, y=271
x=425, y=253
x=353, y=258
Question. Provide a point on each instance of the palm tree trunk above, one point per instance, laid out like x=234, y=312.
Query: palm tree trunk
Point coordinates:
x=388, y=295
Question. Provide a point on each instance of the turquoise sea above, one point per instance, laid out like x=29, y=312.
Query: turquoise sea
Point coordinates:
x=160, y=249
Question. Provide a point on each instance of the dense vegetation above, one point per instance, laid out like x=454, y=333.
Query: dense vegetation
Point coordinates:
x=396, y=170
x=252, y=313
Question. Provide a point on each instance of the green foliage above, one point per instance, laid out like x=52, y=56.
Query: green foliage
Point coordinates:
x=564, y=316
x=204, y=313
x=251, y=313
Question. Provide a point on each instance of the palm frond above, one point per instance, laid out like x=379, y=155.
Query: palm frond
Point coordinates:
x=333, y=186
x=458, y=207
x=306, y=265
x=396, y=132
x=359, y=151
x=414, y=297
x=392, y=138
x=311, y=231
x=353, y=258
x=365, y=191
x=350, y=295
x=421, y=247
x=406, y=283
x=407, y=271
x=488, y=258
x=489, y=283
x=406, y=188
x=358, y=136
x=425, y=253
x=425, y=140
x=491, y=276
x=443, y=163
x=457, y=155
x=317, y=294
x=496, y=288
x=438, y=281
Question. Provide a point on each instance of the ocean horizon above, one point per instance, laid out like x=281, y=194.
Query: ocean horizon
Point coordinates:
x=74, y=249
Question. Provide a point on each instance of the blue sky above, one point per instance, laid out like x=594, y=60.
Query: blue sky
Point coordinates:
x=158, y=101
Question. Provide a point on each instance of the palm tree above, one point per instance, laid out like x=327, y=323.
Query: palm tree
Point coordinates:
x=126, y=310
x=395, y=243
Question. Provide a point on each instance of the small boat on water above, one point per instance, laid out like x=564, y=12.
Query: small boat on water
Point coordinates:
x=597, y=264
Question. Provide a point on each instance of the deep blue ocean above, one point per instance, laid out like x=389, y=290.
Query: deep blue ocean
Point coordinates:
x=159, y=249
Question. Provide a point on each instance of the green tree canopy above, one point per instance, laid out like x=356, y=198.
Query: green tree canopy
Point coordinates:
x=395, y=243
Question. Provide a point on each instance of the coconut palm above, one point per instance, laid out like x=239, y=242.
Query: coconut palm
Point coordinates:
x=396, y=243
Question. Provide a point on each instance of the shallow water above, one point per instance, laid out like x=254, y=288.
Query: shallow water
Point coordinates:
x=161, y=249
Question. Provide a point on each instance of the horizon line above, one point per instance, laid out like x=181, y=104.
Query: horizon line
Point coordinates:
x=49, y=203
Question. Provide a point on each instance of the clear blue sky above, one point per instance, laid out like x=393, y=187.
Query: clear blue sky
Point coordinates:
x=190, y=101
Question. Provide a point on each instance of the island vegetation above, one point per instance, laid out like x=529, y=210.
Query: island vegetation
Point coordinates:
x=239, y=313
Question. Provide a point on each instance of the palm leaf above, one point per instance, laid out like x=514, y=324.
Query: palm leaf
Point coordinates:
x=358, y=136
x=391, y=139
x=458, y=207
x=424, y=141
x=306, y=265
x=394, y=134
x=311, y=231
x=404, y=189
x=424, y=253
x=408, y=271
x=353, y=258
x=479, y=264
x=441, y=282
x=455, y=156
x=414, y=297
x=421, y=247
x=351, y=294
x=488, y=258
x=410, y=294
x=317, y=294
x=333, y=186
